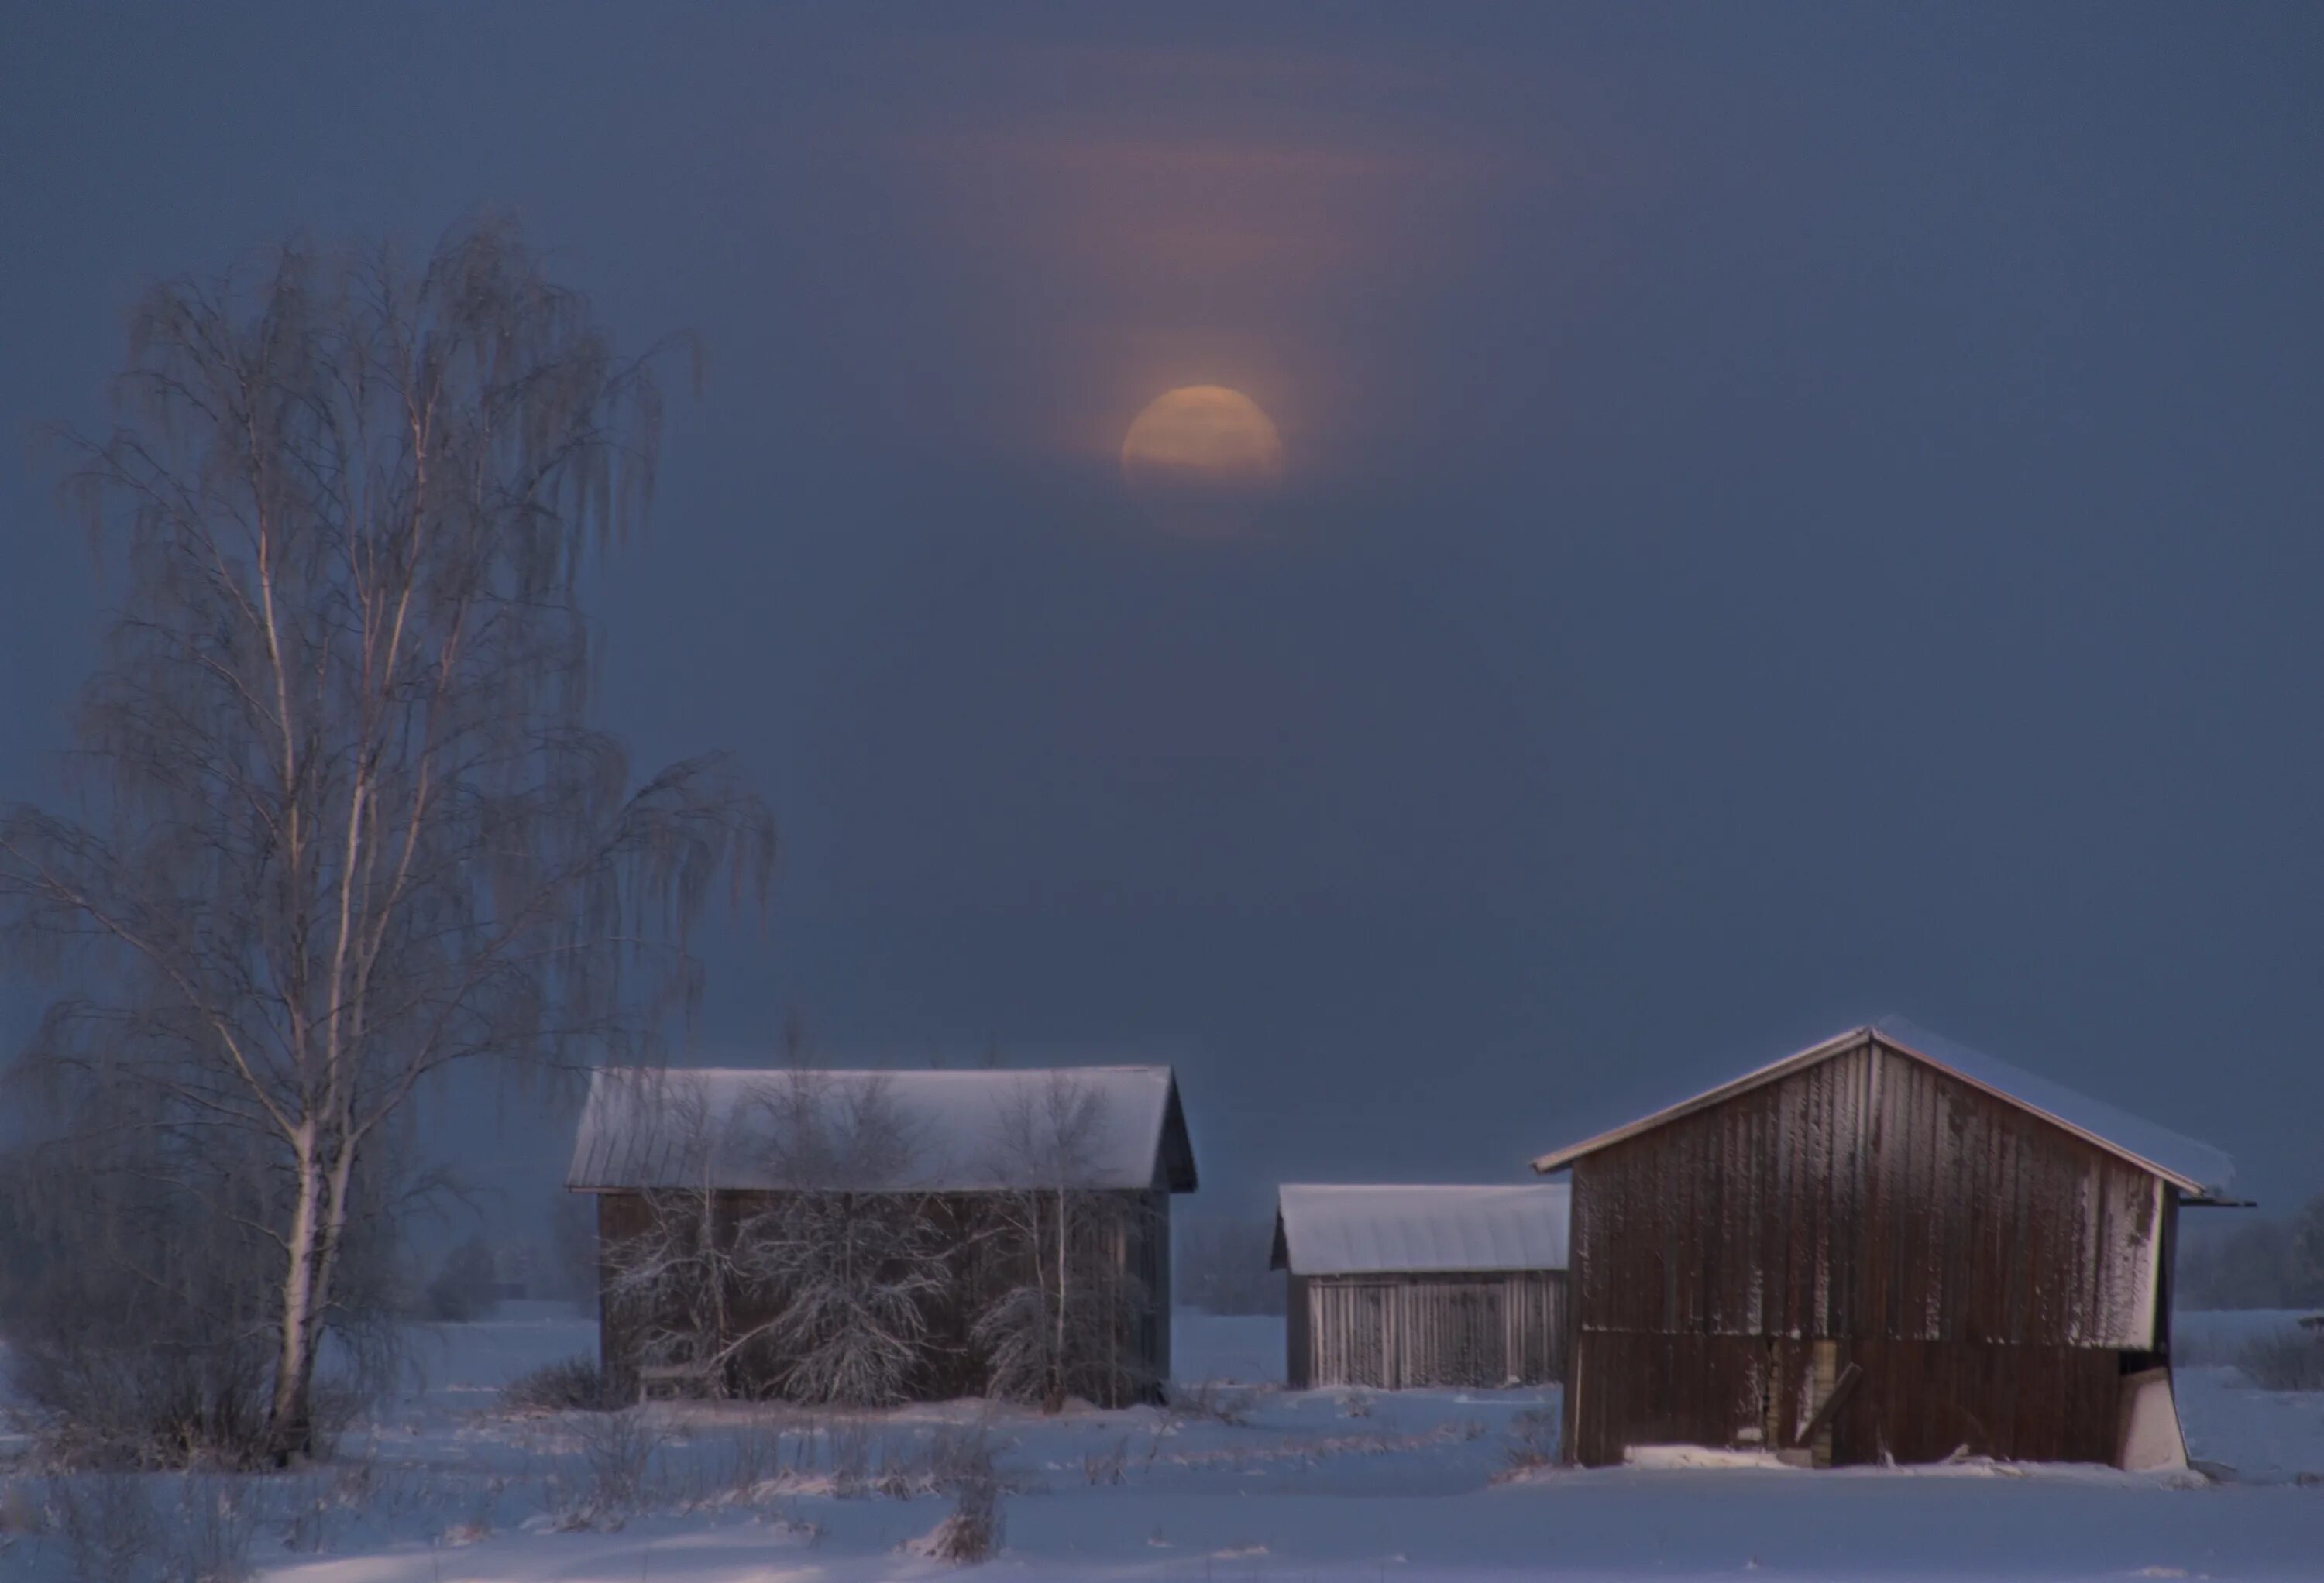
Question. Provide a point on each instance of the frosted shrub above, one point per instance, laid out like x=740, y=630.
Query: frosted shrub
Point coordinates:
x=856, y=1274
x=1213, y=1402
x=618, y=1448
x=573, y=1386
x=972, y=1532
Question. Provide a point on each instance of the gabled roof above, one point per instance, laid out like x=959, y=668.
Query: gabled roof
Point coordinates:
x=980, y=1130
x=2196, y=1168
x=1348, y=1230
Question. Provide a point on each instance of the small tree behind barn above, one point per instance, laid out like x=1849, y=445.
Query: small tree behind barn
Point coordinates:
x=818, y=1289
x=1070, y=1297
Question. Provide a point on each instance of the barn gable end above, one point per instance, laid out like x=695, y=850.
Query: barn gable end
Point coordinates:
x=1393, y=1287
x=1870, y=1240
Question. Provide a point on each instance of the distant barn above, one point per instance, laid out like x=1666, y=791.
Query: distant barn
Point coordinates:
x=986, y=1160
x=1884, y=1246
x=1403, y=1286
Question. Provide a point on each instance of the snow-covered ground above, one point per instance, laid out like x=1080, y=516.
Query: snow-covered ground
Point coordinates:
x=444, y=1486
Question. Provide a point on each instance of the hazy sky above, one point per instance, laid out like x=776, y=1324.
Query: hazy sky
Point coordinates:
x=1791, y=513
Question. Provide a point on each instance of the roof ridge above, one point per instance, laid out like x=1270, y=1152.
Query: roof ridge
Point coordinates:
x=2101, y=1125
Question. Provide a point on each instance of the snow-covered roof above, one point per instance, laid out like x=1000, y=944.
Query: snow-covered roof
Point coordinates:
x=2196, y=1167
x=1349, y=1230
x=980, y=1130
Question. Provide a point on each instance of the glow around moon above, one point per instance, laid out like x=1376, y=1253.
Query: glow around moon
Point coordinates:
x=1206, y=438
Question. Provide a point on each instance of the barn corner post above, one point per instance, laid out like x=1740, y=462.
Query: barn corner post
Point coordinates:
x=1569, y=1398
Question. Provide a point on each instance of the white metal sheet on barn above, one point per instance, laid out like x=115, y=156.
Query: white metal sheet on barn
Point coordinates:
x=1346, y=1230
x=973, y=1130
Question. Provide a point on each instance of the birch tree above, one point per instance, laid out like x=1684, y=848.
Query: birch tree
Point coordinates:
x=672, y=1279
x=1056, y=1326
x=343, y=825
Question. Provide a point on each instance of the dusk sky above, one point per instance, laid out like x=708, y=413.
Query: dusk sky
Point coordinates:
x=1786, y=513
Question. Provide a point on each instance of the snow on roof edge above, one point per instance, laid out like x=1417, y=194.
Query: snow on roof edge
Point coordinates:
x=1339, y=1228
x=2194, y=1166
x=650, y=1127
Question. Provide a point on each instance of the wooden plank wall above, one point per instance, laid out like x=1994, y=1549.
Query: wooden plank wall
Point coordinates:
x=1916, y=1402
x=1990, y=1272
x=1868, y=1196
x=1392, y=1331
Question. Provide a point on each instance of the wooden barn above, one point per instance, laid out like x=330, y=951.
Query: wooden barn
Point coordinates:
x=1398, y=1286
x=1885, y=1245
x=748, y=1220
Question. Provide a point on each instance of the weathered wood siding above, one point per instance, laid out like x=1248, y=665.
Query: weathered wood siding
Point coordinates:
x=1391, y=1332
x=1986, y=1270
x=1917, y=1401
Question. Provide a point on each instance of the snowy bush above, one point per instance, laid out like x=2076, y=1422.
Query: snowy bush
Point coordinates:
x=138, y=1313
x=576, y=1385
x=972, y=1532
x=618, y=1449
x=1211, y=1401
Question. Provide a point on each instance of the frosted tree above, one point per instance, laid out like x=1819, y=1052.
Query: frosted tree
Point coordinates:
x=673, y=1277
x=794, y=1255
x=344, y=825
x=1056, y=1326
x=851, y=1255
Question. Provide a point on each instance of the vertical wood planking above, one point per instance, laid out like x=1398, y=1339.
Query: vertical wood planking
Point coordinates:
x=1986, y=1267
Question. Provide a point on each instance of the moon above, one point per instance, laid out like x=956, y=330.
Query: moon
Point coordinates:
x=1206, y=439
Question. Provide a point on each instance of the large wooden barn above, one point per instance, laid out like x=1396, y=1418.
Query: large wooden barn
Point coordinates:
x=970, y=1196
x=1434, y=1285
x=1885, y=1245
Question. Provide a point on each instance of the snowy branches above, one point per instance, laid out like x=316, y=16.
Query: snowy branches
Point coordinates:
x=805, y=1239
x=348, y=823
x=1056, y=1326
x=822, y=1287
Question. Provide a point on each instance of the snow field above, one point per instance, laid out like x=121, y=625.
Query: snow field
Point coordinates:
x=1254, y=1482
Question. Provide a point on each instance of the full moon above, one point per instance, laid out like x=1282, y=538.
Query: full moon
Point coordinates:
x=1203, y=438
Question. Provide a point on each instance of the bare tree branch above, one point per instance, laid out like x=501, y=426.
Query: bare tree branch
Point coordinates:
x=349, y=826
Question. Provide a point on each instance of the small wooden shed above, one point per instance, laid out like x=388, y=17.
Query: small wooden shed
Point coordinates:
x=1423, y=1285
x=999, y=1169
x=1884, y=1246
